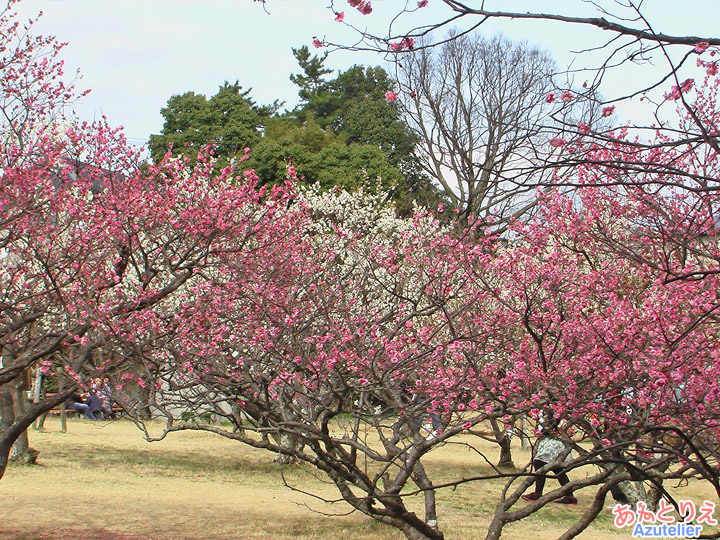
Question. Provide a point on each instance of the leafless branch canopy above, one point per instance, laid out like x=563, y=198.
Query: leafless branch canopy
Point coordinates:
x=477, y=107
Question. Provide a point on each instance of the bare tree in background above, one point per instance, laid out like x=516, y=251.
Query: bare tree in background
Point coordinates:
x=617, y=34
x=477, y=106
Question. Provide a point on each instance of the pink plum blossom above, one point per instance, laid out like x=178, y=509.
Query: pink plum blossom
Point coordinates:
x=365, y=8
x=406, y=43
x=676, y=92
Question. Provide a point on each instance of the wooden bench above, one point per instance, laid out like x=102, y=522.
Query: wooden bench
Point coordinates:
x=57, y=409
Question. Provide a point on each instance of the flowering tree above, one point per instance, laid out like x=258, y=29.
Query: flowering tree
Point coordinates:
x=628, y=38
x=89, y=241
x=333, y=343
x=328, y=331
x=33, y=96
x=605, y=344
x=86, y=255
x=317, y=348
x=606, y=317
x=332, y=347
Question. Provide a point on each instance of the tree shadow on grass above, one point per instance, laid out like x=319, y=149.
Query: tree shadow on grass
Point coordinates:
x=70, y=533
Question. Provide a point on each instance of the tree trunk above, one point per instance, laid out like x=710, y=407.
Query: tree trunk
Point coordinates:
x=291, y=443
x=40, y=422
x=503, y=440
x=8, y=419
x=21, y=451
x=63, y=415
x=412, y=527
x=411, y=533
x=495, y=529
x=635, y=492
x=38, y=394
x=15, y=422
x=524, y=440
x=63, y=418
x=4, y=453
x=424, y=483
x=505, y=460
x=20, y=448
x=144, y=410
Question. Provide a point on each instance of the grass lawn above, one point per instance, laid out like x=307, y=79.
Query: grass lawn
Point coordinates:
x=101, y=480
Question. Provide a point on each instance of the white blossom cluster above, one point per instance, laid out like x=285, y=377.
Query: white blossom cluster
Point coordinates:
x=361, y=226
x=363, y=213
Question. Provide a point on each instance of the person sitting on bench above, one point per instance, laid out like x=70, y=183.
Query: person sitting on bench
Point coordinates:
x=75, y=403
x=96, y=406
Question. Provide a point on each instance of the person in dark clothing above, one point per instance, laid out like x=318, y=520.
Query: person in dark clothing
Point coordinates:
x=75, y=403
x=552, y=450
x=96, y=406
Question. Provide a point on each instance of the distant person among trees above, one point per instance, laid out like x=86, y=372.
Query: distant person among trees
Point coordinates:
x=549, y=450
x=96, y=406
x=429, y=421
x=76, y=403
x=425, y=416
x=102, y=391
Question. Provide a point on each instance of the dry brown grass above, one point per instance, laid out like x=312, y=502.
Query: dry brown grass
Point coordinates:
x=101, y=480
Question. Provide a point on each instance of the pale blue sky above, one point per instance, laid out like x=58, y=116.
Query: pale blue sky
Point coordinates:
x=134, y=54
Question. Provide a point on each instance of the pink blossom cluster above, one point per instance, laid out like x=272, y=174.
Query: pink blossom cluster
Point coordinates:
x=678, y=90
x=362, y=6
x=406, y=43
